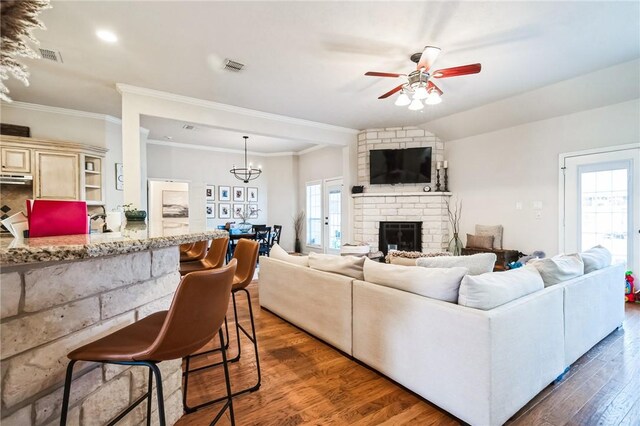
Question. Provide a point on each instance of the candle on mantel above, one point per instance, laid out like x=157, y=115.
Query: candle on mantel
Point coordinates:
x=445, y=165
x=438, y=165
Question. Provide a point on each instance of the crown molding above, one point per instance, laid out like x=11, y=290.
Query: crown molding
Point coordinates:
x=126, y=88
x=63, y=111
x=313, y=148
x=228, y=150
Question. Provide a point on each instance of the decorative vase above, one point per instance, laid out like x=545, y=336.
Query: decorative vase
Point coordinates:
x=244, y=227
x=135, y=215
x=298, y=246
x=455, y=245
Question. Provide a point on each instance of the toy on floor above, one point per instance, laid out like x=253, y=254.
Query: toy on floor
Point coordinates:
x=629, y=295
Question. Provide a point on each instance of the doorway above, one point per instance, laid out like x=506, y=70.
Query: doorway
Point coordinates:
x=600, y=202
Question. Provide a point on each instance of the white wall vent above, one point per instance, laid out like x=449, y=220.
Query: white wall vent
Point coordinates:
x=51, y=55
x=230, y=65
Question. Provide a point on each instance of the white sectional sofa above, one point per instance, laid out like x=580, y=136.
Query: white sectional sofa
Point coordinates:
x=480, y=365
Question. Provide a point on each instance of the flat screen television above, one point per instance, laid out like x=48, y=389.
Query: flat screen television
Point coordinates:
x=391, y=166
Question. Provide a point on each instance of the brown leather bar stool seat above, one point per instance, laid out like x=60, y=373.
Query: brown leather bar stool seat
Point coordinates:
x=195, y=316
x=246, y=254
x=197, y=251
x=213, y=260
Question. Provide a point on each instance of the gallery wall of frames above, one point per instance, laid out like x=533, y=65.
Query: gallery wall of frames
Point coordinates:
x=235, y=203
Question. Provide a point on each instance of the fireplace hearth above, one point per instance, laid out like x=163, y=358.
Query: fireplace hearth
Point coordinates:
x=406, y=236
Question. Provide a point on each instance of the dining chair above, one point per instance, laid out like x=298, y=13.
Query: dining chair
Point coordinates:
x=275, y=235
x=263, y=237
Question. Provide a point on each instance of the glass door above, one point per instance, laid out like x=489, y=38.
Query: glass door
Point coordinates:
x=333, y=216
x=601, y=204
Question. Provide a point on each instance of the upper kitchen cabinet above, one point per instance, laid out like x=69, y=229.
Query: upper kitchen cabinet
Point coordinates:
x=16, y=160
x=61, y=170
x=57, y=176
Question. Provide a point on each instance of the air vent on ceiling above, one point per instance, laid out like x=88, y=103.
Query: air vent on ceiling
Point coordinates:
x=189, y=127
x=51, y=55
x=232, y=65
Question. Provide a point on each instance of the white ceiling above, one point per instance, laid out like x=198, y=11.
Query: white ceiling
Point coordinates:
x=172, y=131
x=307, y=59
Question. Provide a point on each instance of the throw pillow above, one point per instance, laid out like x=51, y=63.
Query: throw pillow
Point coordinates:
x=405, y=261
x=476, y=263
x=480, y=241
x=494, y=230
x=559, y=268
x=595, y=258
x=436, y=283
x=279, y=253
x=351, y=266
x=412, y=255
x=493, y=289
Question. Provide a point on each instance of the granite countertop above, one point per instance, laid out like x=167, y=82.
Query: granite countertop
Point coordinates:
x=74, y=247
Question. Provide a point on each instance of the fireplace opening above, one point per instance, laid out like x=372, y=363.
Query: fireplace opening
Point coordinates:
x=406, y=236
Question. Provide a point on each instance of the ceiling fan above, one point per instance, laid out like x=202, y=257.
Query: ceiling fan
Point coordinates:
x=419, y=81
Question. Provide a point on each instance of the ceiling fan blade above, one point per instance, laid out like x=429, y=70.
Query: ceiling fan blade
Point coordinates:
x=457, y=71
x=428, y=57
x=382, y=74
x=392, y=91
x=430, y=86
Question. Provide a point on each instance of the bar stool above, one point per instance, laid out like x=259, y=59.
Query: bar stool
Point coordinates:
x=214, y=259
x=246, y=254
x=197, y=251
x=195, y=316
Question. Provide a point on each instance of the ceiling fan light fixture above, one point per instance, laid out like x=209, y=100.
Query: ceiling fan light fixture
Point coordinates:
x=416, y=105
x=421, y=93
x=403, y=99
x=433, y=98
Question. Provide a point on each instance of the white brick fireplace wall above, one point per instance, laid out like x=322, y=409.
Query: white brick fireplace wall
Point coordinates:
x=401, y=202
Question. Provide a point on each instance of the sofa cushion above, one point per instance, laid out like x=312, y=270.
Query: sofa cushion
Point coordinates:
x=494, y=230
x=480, y=241
x=492, y=289
x=436, y=283
x=405, y=261
x=595, y=258
x=351, y=266
x=476, y=263
x=559, y=268
x=279, y=253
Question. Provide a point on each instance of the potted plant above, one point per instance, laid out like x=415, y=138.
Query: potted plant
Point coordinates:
x=133, y=214
x=298, y=225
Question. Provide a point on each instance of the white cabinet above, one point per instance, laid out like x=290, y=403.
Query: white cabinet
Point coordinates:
x=57, y=175
x=16, y=160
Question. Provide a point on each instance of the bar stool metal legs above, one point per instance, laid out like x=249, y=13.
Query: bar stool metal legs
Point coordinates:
x=251, y=336
x=153, y=371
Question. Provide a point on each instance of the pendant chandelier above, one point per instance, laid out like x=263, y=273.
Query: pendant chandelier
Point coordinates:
x=247, y=172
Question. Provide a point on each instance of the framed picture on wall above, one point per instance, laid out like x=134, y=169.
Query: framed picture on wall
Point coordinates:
x=210, y=193
x=238, y=193
x=224, y=211
x=238, y=211
x=224, y=193
x=211, y=211
x=175, y=204
x=253, y=211
x=252, y=195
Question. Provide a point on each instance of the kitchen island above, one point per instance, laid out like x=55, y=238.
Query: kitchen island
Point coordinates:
x=59, y=293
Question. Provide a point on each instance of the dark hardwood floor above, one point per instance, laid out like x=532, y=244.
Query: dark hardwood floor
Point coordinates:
x=305, y=381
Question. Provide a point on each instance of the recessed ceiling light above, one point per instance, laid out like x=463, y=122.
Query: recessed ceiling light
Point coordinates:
x=107, y=36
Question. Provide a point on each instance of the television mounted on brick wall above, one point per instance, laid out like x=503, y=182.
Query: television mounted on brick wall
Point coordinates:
x=391, y=166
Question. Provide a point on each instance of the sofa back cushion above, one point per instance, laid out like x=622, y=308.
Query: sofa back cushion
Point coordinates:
x=595, y=258
x=436, y=283
x=492, y=289
x=351, y=266
x=559, y=268
x=279, y=253
x=476, y=263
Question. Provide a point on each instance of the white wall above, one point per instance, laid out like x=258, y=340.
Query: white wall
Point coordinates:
x=282, y=193
x=491, y=172
x=202, y=167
